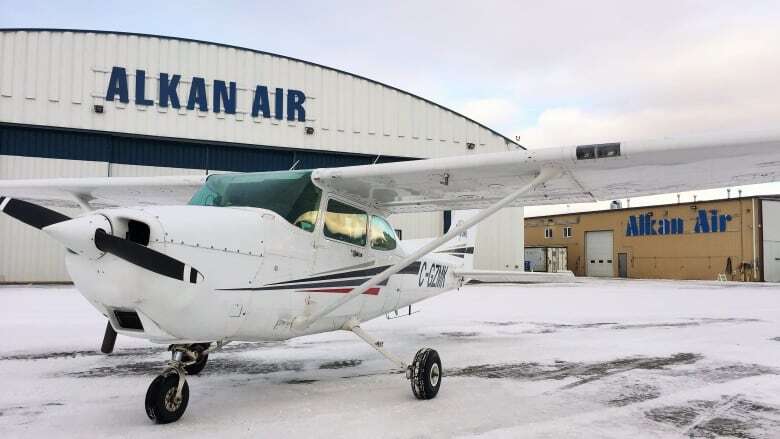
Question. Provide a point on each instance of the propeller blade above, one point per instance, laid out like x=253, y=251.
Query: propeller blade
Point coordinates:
x=30, y=214
x=145, y=257
x=109, y=339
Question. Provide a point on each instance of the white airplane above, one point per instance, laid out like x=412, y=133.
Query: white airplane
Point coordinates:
x=277, y=255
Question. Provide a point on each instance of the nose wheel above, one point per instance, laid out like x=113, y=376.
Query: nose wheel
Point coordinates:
x=167, y=398
x=168, y=395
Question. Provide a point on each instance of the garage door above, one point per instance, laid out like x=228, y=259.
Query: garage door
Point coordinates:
x=771, y=224
x=598, y=247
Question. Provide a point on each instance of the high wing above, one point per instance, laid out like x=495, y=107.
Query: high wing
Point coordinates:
x=98, y=192
x=585, y=173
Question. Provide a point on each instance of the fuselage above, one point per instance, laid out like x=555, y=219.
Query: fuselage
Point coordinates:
x=259, y=270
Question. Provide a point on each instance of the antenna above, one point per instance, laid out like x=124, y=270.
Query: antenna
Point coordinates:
x=294, y=165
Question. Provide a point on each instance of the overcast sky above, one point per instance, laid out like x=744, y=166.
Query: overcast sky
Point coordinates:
x=550, y=72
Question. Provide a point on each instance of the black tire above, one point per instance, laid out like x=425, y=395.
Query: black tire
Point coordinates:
x=426, y=374
x=200, y=362
x=160, y=405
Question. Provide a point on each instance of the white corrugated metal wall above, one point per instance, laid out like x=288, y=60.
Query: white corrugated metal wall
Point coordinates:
x=27, y=254
x=54, y=78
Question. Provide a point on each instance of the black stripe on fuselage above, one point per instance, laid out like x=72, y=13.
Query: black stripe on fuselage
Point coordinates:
x=342, y=275
x=412, y=268
x=463, y=250
x=302, y=286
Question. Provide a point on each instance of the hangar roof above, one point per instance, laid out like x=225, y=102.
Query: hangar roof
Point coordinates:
x=507, y=139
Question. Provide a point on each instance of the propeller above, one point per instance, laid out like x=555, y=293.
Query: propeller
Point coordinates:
x=76, y=234
x=145, y=257
x=109, y=339
x=31, y=214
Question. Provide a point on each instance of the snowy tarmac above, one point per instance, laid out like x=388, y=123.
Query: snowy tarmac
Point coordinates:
x=602, y=358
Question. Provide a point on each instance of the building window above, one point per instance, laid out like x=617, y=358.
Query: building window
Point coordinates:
x=567, y=232
x=548, y=232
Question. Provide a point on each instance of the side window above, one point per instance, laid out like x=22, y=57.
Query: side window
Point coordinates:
x=345, y=223
x=382, y=235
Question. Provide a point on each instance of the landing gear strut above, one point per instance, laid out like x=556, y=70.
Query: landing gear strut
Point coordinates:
x=169, y=393
x=424, y=373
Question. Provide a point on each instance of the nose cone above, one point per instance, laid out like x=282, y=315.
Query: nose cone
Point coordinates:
x=78, y=234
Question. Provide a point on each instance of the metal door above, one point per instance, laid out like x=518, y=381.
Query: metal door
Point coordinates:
x=598, y=250
x=771, y=231
x=623, y=264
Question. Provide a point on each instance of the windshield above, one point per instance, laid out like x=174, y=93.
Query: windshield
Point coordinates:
x=291, y=194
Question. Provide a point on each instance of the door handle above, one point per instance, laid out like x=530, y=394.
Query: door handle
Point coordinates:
x=356, y=253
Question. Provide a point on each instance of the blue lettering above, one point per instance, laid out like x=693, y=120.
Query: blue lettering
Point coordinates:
x=140, y=89
x=221, y=95
x=702, y=223
x=724, y=219
x=664, y=227
x=295, y=100
x=224, y=95
x=631, y=227
x=260, y=102
x=279, y=103
x=117, y=85
x=198, y=95
x=678, y=226
x=168, y=90
x=714, y=220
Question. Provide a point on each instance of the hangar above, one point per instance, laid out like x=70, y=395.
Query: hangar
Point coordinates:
x=81, y=103
x=727, y=239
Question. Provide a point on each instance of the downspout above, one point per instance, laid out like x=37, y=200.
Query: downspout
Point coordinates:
x=755, y=242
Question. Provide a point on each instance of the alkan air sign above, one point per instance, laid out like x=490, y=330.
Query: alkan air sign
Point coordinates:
x=706, y=222
x=223, y=96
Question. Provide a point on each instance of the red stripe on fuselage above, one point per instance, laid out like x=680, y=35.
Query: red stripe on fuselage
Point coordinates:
x=372, y=291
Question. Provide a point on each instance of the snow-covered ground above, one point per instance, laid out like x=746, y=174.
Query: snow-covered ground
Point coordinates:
x=595, y=359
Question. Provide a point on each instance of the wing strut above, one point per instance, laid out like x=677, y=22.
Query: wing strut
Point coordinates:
x=546, y=174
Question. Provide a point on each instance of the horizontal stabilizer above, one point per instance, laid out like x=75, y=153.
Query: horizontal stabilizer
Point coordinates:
x=516, y=277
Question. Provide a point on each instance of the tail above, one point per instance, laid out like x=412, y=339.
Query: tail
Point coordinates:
x=459, y=249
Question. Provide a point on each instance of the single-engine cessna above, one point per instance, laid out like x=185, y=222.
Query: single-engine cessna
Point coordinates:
x=277, y=255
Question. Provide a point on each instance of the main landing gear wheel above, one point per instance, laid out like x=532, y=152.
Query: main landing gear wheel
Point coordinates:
x=164, y=404
x=198, y=359
x=425, y=374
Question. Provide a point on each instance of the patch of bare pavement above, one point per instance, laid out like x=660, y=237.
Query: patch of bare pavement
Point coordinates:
x=548, y=327
x=731, y=416
x=583, y=373
x=128, y=352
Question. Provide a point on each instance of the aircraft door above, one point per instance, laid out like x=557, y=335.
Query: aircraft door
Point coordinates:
x=341, y=245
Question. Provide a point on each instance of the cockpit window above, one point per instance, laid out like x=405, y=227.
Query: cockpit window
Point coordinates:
x=291, y=194
x=382, y=236
x=345, y=223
